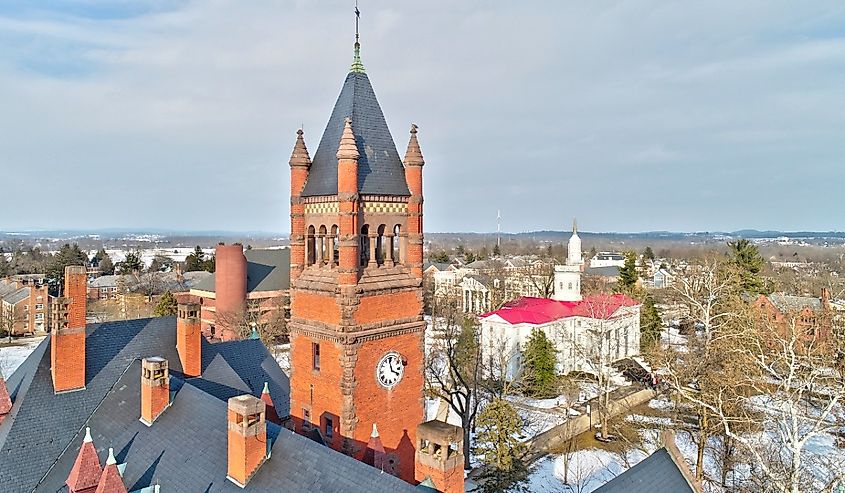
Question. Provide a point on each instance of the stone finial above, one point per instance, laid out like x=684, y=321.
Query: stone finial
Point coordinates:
x=374, y=434
x=300, y=156
x=413, y=156
x=87, y=438
x=111, y=460
x=347, y=149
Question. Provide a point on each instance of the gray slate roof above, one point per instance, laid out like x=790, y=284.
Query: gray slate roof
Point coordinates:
x=788, y=303
x=609, y=271
x=266, y=270
x=380, y=169
x=17, y=296
x=185, y=450
x=657, y=473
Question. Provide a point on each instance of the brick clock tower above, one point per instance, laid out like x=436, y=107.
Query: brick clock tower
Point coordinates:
x=356, y=282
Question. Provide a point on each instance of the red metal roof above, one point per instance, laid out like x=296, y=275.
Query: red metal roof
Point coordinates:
x=539, y=311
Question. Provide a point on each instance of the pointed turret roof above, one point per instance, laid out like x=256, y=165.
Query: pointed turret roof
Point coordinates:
x=86, y=471
x=380, y=169
x=110, y=481
x=375, y=455
x=299, y=156
x=270, y=410
x=413, y=156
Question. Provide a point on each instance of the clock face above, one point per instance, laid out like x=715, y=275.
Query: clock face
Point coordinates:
x=389, y=370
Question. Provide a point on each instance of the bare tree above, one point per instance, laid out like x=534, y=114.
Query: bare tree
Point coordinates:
x=702, y=289
x=782, y=372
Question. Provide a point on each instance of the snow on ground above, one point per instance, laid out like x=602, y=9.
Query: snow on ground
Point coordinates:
x=588, y=470
x=11, y=357
x=671, y=336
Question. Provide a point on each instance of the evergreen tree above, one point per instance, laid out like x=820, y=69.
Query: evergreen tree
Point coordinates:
x=469, y=257
x=483, y=254
x=539, y=360
x=593, y=251
x=497, y=251
x=650, y=324
x=104, y=262
x=628, y=274
x=195, y=261
x=499, y=425
x=746, y=258
x=648, y=253
x=132, y=263
x=67, y=255
x=166, y=306
x=5, y=267
x=441, y=257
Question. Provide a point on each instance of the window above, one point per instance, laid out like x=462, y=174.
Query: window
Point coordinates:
x=315, y=353
x=39, y=316
x=306, y=419
x=39, y=306
x=329, y=428
x=570, y=285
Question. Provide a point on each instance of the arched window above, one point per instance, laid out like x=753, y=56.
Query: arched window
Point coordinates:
x=364, y=245
x=322, y=248
x=380, y=255
x=396, y=245
x=310, y=246
x=335, y=259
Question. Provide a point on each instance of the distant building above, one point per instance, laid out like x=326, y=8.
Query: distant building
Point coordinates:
x=663, y=279
x=24, y=305
x=255, y=282
x=582, y=331
x=812, y=315
x=607, y=259
x=111, y=286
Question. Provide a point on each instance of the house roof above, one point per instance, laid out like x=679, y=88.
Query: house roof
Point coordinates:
x=788, y=303
x=17, y=296
x=440, y=266
x=186, y=448
x=609, y=271
x=380, y=169
x=266, y=270
x=657, y=473
x=539, y=311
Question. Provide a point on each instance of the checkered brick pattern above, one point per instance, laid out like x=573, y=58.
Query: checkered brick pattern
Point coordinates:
x=321, y=208
x=385, y=207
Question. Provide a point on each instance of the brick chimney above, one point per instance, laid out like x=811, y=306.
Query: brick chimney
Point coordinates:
x=825, y=298
x=5, y=399
x=155, y=388
x=67, y=343
x=111, y=481
x=189, y=338
x=248, y=445
x=439, y=457
x=86, y=471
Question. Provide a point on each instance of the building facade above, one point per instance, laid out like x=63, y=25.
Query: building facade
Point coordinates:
x=356, y=268
x=24, y=306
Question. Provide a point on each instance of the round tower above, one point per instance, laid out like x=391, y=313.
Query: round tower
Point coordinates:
x=229, y=280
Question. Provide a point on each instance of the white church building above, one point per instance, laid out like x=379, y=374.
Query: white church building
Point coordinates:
x=588, y=333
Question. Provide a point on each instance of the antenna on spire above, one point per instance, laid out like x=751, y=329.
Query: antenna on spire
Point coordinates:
x=357, y=65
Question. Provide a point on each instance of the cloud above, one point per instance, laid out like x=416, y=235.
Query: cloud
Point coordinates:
x=182, y=114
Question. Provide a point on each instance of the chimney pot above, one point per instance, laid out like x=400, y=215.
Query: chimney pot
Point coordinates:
x=248, y=445
x=155, y=388
x=439, y=456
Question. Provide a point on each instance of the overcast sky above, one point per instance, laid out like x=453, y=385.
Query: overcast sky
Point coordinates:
x=632, y=116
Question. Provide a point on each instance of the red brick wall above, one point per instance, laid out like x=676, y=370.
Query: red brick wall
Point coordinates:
x=451, y=481
x=327, y=397
x=397, y=411
x=189, y=345
x=76, y=289
x=318, y=307
x=245, y=454
x=390, y=306
x=153, y=401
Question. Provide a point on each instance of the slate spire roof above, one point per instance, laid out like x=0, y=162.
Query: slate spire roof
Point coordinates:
x=380, y=169
x=5, y=399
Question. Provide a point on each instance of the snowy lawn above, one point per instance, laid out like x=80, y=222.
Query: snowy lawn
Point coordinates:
x=11, y=357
